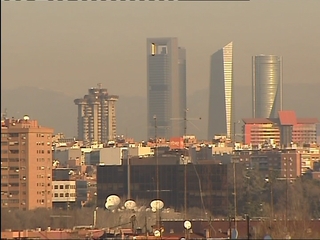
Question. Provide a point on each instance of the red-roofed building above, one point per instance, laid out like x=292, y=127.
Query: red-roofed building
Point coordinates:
x=283, y=131
x=287, y=118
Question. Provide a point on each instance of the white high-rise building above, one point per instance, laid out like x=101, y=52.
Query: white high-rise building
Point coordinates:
x=166, y=87
x=221, y=101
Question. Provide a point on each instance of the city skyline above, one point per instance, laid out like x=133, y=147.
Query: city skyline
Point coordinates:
x=221, y=101
x=63, y=57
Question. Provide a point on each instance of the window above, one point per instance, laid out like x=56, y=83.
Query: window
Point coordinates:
x=61, y=186
x=56, y=187
x=61, y=194
x=56, y=195
x=13, y=134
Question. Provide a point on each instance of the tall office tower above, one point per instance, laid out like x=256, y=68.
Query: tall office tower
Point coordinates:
x=266, y=86
x=221, y=101
x=97, y=116
x=26, y=164
x=166, y=82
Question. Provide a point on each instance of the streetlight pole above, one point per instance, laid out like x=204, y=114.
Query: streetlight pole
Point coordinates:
x=128, y=175
x=235, y=193
x=157, y=170
x=271, y=194
x=185, y=162
x=95, y=211
x=185, y=168
x=287, y=194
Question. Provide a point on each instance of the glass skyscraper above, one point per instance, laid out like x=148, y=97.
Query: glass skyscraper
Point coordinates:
x=266, y=86
x=166, y=87
x=221, y=102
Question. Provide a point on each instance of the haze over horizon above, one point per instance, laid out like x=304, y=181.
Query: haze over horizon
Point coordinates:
x=68, y=47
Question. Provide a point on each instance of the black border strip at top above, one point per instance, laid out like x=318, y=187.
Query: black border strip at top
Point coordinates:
x=126, y=0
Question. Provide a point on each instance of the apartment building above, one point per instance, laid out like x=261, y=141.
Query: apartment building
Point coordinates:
x=97, y=116
x=26, y=164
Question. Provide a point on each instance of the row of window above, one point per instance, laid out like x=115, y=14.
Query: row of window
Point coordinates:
x=9, y=184
x=42, y=143
x=67, y=186
x=63, y=195
x=12, y=159
x=42, y=151
x=42, y=159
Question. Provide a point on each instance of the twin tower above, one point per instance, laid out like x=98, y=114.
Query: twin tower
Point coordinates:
x=166, y=89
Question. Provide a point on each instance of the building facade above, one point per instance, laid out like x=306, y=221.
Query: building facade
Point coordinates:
x=26, y=164
x=266, y=86
x=143, y=186
x=221, y=100
x=166, y=87
x=285, y=130
x=63, y=192
x=97, y=116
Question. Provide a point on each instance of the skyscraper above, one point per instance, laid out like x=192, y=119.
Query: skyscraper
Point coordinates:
x=266, y=86
x=166, y=87
x=97, y=116
x=221, y=102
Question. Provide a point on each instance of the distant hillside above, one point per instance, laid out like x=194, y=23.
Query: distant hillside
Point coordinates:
x=57, y=110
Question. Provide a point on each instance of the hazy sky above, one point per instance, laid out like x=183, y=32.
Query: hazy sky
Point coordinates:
x=71, y=46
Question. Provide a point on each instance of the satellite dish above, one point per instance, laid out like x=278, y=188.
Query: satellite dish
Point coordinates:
x=267, y=237
x=157, y=204
x=234, y=233
x=187, y=224
x=112, y=202
x=157, y=233
x=130, y=204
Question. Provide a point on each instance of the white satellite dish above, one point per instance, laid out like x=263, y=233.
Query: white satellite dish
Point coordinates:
x=112, y=202
x=130, y=204
x=187, y=224
x=267, y=237
x=157, y=233
x=157, y=204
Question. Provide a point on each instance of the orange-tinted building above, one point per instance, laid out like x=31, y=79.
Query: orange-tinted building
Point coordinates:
x=284, y=130
x=26, y=164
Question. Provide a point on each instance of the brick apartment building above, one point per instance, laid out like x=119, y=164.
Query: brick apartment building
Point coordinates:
x=26, y=164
